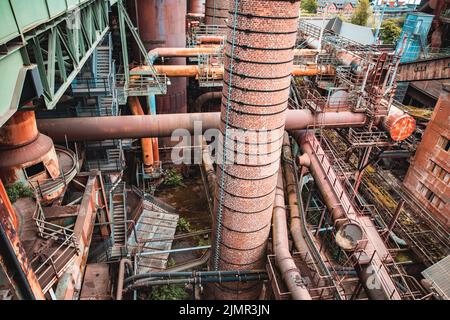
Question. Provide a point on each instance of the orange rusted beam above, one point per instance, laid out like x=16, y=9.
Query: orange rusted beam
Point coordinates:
x=10, y=238
x=146, y=143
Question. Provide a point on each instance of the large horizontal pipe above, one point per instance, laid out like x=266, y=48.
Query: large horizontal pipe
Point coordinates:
x=181, y=52
x=163, y=125
x=194, y=70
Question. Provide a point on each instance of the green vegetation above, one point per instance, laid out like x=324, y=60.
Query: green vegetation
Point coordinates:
x=167, y=292
x=183, y=225
x=362, y=13
x=172, y=178
x=391, y=30
x=170, y=263
x=309, y=6
x=18, y=190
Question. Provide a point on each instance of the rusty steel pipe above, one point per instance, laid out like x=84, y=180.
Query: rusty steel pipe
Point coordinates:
x=348, y=232
x=194, y=70
x=146, y=143
x=164, y=52
x=201, y=100
x=122, y=264
x=283, y=258
x=162, y=125
x=160, y=25
x=256, y=83
x=196, y=6
x=291, y=190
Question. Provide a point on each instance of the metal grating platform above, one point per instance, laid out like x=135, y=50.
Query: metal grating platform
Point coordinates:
x=439, y=275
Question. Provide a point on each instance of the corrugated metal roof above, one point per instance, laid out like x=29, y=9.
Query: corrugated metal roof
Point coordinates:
x=439, y=275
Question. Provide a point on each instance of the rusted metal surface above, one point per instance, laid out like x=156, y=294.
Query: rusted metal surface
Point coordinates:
x=69, y=285
x=399, y=124
x=163, y=125
x=285, y=263
x=429, y=173
x=216, y=12
x=194, y=70
x=349, y=233
x=196, y=6
x=146, y=143
x=369, y=252
x=7, y=224
x=163, y=52
x=22, y=146
x=432, y=69
x=97, y=282
x=201, y=100
x=162, y=24
x=256, y=90
x=19, y=130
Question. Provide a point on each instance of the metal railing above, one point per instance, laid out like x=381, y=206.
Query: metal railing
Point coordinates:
x=67, y=242
x=93, y=85
x=45, y=187
x=139, y=85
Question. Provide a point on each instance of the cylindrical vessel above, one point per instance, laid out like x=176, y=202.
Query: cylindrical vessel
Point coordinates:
x=196, y=6
x=216, y=11
x=258, y=63
x=162, y=24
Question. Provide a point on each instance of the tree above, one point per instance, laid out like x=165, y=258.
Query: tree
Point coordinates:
x=309, y=6
x=362, y=13
x=390, y=31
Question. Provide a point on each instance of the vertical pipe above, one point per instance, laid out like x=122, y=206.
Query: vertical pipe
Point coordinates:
x=196, y=6
x=285, y=263
x=146, y=143
x=162, y=24
x=258, y=61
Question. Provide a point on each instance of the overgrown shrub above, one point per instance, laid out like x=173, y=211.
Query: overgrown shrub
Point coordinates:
x=183, y=225
x=167, y=292
x=18, y=190
x=172, y=178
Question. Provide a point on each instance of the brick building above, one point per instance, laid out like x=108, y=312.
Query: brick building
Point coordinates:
x=428, y=177
x=344, y=7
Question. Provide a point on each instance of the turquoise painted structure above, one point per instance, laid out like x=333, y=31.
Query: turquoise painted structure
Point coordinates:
x=413, y=39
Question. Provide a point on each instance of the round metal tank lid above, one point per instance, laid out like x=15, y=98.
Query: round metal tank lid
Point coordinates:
x=348, y=235
x=401, y=127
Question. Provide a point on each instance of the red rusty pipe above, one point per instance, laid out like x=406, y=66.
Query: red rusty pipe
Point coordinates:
x=181, y=52
x=193, y=70
x=348, y=232
x=201, y=100
x=196, y=6
x=291, y=190
x=283, y=258
x=210, y=39
x=146, y=143
x=122, y=264
x=162, y=125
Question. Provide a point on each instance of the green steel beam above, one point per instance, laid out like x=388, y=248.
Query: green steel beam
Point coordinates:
x=59, y=47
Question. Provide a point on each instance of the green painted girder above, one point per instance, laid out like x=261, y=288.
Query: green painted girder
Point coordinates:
x=59, y=49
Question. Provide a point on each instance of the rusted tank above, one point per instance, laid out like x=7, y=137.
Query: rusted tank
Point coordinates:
x=216, y=12
x=256, y=89
x=30, y=157
x=196, y=6
x=399, y=124
x=162, y=24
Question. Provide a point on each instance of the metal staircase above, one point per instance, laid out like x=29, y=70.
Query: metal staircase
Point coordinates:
x=117, y=198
